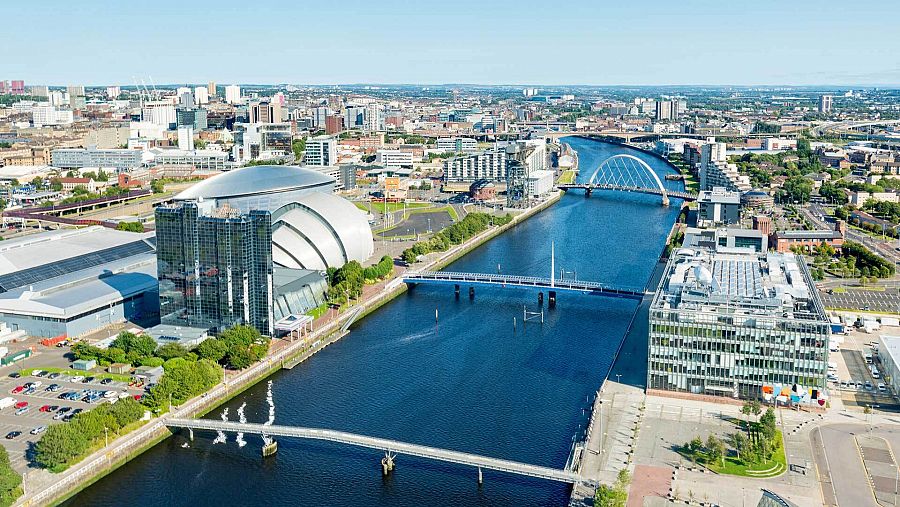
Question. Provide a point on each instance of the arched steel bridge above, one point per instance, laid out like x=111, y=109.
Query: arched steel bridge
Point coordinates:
x=627, y=173
x=390, y=447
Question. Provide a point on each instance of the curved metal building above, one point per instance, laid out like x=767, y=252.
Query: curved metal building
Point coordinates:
x=311, y=227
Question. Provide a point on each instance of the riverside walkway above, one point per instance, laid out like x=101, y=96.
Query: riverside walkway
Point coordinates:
x=383, y=444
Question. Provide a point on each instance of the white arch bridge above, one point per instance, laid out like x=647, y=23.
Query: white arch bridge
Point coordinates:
x=627, y=173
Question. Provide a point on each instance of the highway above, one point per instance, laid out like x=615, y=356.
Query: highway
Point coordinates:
x=383, y=444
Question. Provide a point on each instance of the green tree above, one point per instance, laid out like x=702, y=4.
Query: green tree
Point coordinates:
x=130, y=226
x=171, y=350
x=751, y=407
x=212, y=349
x=768, y=424
x=715, y=449
x=157, y=186
x=142, y=345
x=615, y=495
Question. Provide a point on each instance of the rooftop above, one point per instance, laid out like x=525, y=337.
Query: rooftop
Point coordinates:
x=739, y=282
x=258, y=179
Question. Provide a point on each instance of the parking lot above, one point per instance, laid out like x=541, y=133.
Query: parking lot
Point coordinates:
x=855, y=383
x=20, y=446
x=887, y=300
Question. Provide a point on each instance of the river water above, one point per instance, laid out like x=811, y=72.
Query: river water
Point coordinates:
x=469, y=382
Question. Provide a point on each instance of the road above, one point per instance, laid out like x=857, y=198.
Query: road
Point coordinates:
x=882, y=248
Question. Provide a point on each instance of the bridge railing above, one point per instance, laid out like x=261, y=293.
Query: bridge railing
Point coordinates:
x=518, y=280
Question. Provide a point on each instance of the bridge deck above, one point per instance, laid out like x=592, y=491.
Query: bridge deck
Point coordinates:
x=450, y=277
x=383, y=444
x=687, y=196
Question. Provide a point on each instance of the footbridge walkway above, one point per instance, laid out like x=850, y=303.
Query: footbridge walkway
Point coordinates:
x=390, y=447
x=533, y=282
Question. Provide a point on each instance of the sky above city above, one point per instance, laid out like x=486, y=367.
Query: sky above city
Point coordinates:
x=599, y=42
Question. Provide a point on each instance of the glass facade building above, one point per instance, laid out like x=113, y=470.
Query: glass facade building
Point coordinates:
x=736, y=323
x=215, y=267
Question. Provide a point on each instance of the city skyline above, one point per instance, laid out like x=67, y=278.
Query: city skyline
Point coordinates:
x=393, y=42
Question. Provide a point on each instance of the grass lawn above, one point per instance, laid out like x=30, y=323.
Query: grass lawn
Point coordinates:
x=567, y=177
x=318, y=311
x=382, y=207
x=66, y=371
x=733, y=465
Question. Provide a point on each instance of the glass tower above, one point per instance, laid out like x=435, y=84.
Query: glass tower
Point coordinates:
x=215, y=267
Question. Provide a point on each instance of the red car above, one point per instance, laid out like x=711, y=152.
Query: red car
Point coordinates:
x=138, y=397
x=18, y=390
x=22, y=404
x=45, y=408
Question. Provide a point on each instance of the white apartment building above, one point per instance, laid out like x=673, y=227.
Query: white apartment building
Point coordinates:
x=456, y=144
x=233, y=94
x=486, y=165
x=715, y=171
x=159, y=113
x=539, y=183
x=201, y=95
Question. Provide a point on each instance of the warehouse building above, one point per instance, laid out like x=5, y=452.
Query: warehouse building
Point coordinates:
x=71, y=282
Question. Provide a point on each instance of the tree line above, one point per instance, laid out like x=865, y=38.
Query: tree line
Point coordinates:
x=471, y=225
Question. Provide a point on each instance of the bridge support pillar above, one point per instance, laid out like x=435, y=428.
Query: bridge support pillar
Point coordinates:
x=471, y=292
x=191, y=434
x=387, y=463
x=588, y=191
x=665, y=200
x=480, y=477
x=541, y=298
x=270, y=449
x=551, y=300
x=456, y=290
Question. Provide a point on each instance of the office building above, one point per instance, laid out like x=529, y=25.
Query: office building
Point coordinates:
x=825, y=102
x=214, y=267
x=201, y=95
x=344, y=175
x=320, y=150
x=539, y=183
x=160, y=113
x=354, y=117
x=261, y=141
x=319, y=114
x=727, y=237
x=718, y=207
x=195, y=118
x=374, y=118
x=211, y=89
x=233, y=94
x=889, y=357
x=74, y=281
x=113, y=92
x=203, y=160
x=394, y=158
x=487, y=165
x=733, y=323
x=456, y=144
x=715, y=171
x=788, y=241
x=334, y=124
x=45, y=114
x=264, y=112
x=76, y=158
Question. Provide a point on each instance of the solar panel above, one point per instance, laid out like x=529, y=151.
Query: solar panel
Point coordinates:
x=72, y=264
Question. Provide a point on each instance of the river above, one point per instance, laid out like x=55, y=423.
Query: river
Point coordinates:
x=470, y=381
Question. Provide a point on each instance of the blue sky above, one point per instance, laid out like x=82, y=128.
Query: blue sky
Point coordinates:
x=597, y=42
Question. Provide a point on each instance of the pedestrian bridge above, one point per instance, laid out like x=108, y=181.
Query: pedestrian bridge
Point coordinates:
x=390, y=447
x=530, y=282
x=627, y=173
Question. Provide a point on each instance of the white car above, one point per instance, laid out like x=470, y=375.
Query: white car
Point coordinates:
x=39, y=429
x=881, y=387
x=109, y=394
x=77, y=379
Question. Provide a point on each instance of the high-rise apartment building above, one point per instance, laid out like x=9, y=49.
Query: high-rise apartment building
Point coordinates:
x=77, y=99
x=486, y=165
x=186, y=138
x=232, y=94
x=201, y=95
x=321, y=151
x=215, y=267
x=825, y=103
x=211, y=88
x=334, y=124
x=715, y=171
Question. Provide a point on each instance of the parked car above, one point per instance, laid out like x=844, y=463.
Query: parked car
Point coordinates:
x=38, y=373
x=13, y=434
x=21, y=404
x=77, y=379
x=89, y=380
x=45, y=408
x=53, y=376
x=868, y=386
x=18, y=389
x=106, y=381
x=36, y=384
x=15, y=374
x=39, y=429
x=21, y=410
x=881, y=387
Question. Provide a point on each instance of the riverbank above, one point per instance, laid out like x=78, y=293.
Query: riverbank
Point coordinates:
x=53, y=488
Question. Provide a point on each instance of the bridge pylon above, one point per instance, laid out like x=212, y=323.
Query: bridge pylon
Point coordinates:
x=387, y=463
